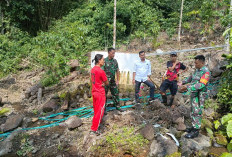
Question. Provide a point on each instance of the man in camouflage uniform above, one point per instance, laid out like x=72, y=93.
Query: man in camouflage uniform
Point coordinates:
x=197, y=86
x=111, y=68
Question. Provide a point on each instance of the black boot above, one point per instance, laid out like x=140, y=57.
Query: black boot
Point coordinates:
x=171, y=101
x=194, y=133
x=164, y=97
x=188, y=130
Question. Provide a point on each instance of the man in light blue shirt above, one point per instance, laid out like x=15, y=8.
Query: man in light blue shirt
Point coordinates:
x=141, y=74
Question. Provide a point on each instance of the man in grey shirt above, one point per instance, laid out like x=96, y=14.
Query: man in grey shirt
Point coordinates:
x=141, y=74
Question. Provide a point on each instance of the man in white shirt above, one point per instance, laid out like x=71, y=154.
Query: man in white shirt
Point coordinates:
x=141, y=74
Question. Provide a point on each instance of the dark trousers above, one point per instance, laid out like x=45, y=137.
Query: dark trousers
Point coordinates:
x=137, y=88
x=114, y=92
x=167, y=84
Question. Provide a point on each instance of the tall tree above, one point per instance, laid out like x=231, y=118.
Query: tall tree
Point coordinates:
x=181, y=11
x=115, y=12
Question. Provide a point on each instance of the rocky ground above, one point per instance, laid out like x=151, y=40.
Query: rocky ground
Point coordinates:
x=152, y=130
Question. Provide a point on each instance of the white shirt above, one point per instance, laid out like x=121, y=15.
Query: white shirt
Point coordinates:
x=142, y=70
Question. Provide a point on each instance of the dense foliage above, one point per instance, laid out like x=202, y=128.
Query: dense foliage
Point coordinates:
x=35, y=15
x=12, y=49
x=224, y=130
x=225, y=93
x=50, y=32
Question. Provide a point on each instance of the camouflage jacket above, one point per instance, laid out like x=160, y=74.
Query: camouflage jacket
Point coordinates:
x=110, y=68
x=198, y=80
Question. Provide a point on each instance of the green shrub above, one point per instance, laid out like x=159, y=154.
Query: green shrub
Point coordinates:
x=13, y=48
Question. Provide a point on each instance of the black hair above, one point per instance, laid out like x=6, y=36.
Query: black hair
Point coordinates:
x=97, y=58
x=141, y=52
x=200, y=57
x=110, y=49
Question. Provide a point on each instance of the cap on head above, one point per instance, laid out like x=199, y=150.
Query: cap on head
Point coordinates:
x=173, y=53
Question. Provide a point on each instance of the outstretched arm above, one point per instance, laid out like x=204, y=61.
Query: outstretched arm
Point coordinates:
x=187, y=80
x=201, y=84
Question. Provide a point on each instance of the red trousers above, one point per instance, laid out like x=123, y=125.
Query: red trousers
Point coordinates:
x=98, y=108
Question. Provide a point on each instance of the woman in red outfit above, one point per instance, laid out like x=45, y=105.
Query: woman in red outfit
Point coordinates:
x=99, y=80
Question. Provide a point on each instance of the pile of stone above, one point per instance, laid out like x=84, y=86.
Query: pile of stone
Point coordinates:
x=166, y=142
x=34, y=94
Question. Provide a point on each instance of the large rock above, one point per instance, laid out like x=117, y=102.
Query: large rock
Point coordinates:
x=155, y=105
x=74, y=63
x=166, y=115
x=12, y=122
x=181, y=127
x=184, y=111
x=6, y=146
x=51, y=105
x=126, y=118
x=73, y=122
x=179, y=99
x=179, y=120
x=162, y=147
x=148, y=131
x=200, y=144
x=214, y=65
x=180, y=124
x=154, y=148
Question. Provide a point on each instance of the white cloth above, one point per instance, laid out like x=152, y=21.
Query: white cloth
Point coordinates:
x=142, y=70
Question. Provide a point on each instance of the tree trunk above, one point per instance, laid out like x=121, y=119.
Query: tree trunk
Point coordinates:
x=1, y=19
x=228, y=35
x=114, y=38
x=181, y=11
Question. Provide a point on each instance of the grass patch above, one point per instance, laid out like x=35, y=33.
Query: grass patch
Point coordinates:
x=121, y=141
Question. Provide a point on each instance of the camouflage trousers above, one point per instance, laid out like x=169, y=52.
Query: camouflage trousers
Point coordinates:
x=197, y=106
x=114, y=92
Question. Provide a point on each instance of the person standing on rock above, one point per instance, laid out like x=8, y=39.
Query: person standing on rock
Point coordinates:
x=197, y=86
x=111, y=68
x=142, y=74
x=98, y=80
x=171, y=77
